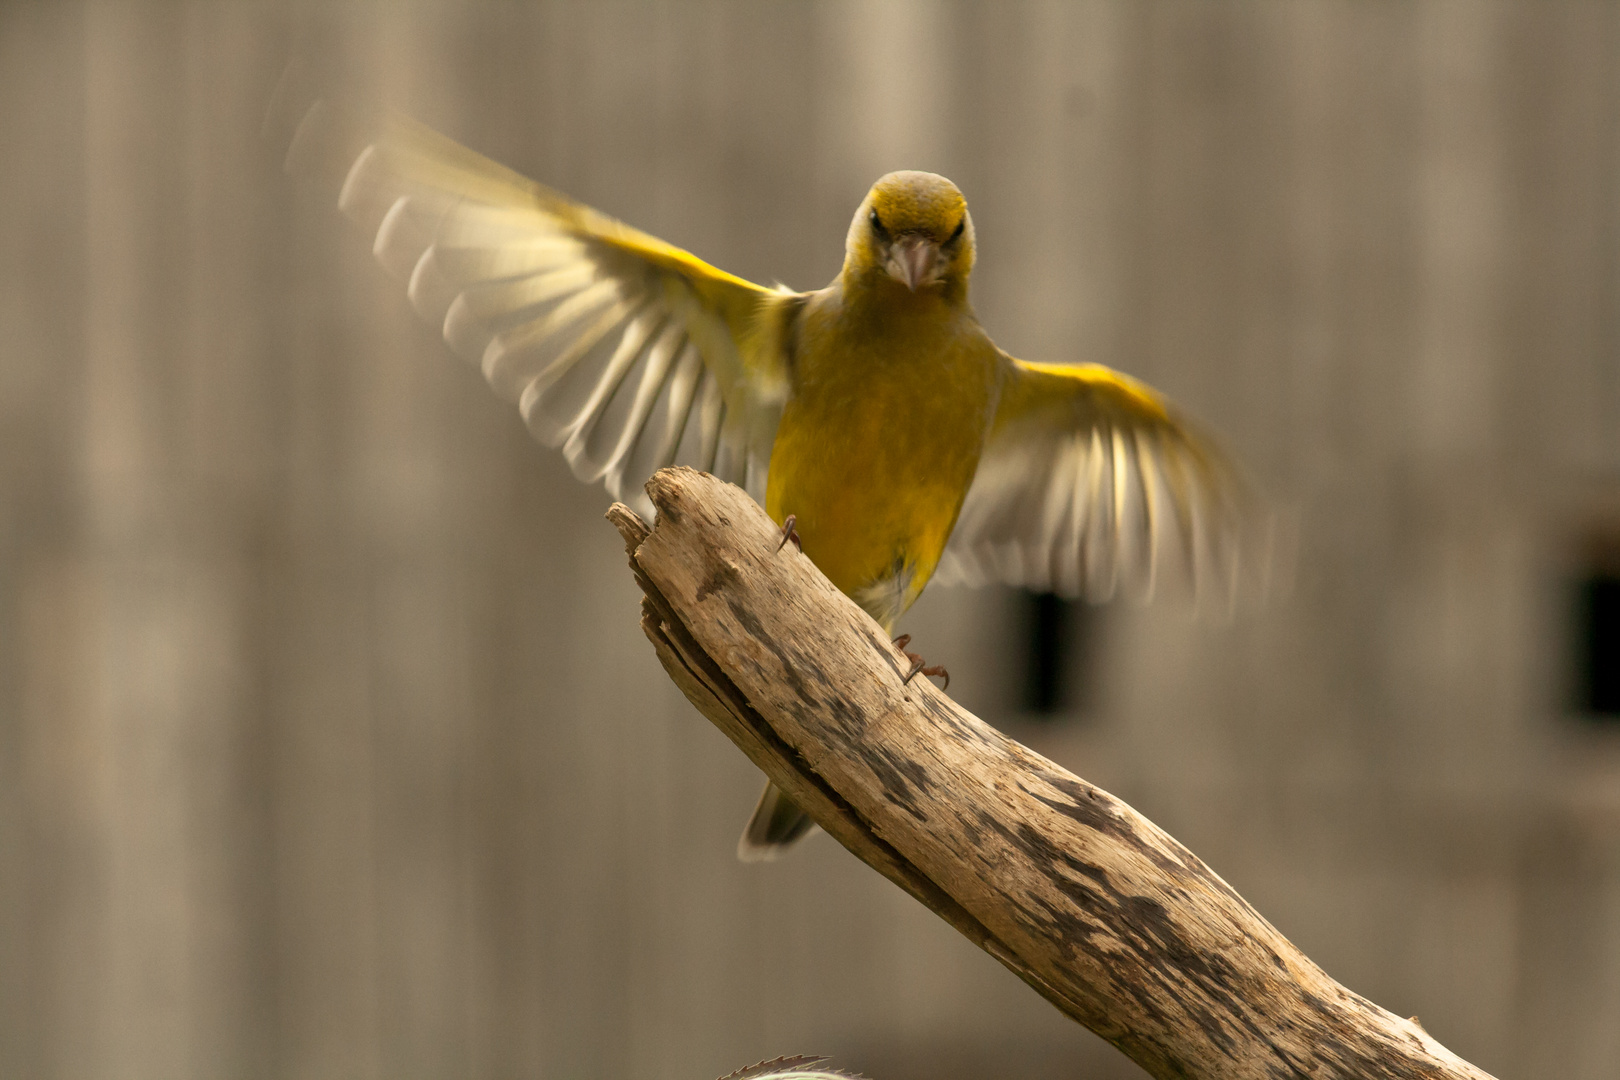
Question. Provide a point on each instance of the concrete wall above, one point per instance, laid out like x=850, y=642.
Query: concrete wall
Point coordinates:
x=330, y=747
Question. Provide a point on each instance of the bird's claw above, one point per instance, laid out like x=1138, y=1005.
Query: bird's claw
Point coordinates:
x=919, y=666
x=790, y=533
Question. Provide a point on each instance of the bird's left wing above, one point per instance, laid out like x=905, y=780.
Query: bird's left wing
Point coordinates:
x=626, y=352
x=1089, y=481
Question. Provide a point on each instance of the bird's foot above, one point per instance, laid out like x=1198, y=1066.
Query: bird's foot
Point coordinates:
x=919, y=666
x=790, y=533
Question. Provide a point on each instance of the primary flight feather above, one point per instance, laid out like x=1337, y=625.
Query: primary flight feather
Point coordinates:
x=876, y=413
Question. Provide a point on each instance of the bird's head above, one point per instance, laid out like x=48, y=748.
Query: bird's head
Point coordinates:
x=912, y=228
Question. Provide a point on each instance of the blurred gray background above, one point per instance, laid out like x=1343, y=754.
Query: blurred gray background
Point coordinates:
x=330, y=746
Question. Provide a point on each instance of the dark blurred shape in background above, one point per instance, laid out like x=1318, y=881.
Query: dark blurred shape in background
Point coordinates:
x=1051, y=625
x=1600, y=646
x=1596, y=640
x=330, y=746
x=1058, y=641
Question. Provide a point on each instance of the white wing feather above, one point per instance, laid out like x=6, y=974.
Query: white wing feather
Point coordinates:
x=605, y=339
x=1089, y=486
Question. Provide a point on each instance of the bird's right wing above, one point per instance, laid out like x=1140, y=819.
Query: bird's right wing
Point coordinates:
x=1089, y=482
x=626, y=352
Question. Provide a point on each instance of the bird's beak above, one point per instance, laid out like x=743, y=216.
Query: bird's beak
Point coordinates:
x=912, y=260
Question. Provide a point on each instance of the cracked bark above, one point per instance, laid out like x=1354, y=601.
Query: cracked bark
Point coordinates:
x=1095, y=907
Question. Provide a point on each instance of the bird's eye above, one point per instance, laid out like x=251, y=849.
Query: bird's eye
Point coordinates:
x=877, y=223
x=957, y=235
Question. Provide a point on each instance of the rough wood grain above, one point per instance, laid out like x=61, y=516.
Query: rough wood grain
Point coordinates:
x=1094, y=906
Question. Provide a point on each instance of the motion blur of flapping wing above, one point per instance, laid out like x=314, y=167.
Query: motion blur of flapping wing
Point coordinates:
x=625, y=352
x=1091, y=484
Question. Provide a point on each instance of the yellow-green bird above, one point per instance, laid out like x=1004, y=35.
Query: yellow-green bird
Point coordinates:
x=876, y=413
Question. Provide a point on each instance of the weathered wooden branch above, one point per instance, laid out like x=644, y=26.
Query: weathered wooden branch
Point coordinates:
x=1091, y=904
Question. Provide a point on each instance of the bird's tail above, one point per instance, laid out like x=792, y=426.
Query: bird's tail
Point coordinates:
x=776, y=825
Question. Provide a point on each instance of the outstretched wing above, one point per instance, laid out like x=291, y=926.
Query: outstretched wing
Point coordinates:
x=628, y=353
x=1090, y=482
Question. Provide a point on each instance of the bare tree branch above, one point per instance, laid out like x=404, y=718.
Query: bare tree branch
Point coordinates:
x=1095, y=907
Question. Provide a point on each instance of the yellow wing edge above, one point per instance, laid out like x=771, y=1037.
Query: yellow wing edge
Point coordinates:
x=506, y=186
x=1034, y=387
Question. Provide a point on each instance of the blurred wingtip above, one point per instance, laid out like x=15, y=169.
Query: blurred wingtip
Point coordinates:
x=798, y=1067
x=315, y=121
x=1280, y=561
x=775, y=1065
x=281, y=112
x=298, y=91
x=300, y=124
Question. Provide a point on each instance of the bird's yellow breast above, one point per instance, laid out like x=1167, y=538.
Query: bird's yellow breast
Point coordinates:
x=879, y=441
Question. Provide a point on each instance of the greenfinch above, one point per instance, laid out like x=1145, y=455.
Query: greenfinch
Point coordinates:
x=874, y=417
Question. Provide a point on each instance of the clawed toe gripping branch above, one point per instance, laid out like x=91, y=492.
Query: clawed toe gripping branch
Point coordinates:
x=790, y=533
x=936, y=671
x=1096, y=908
